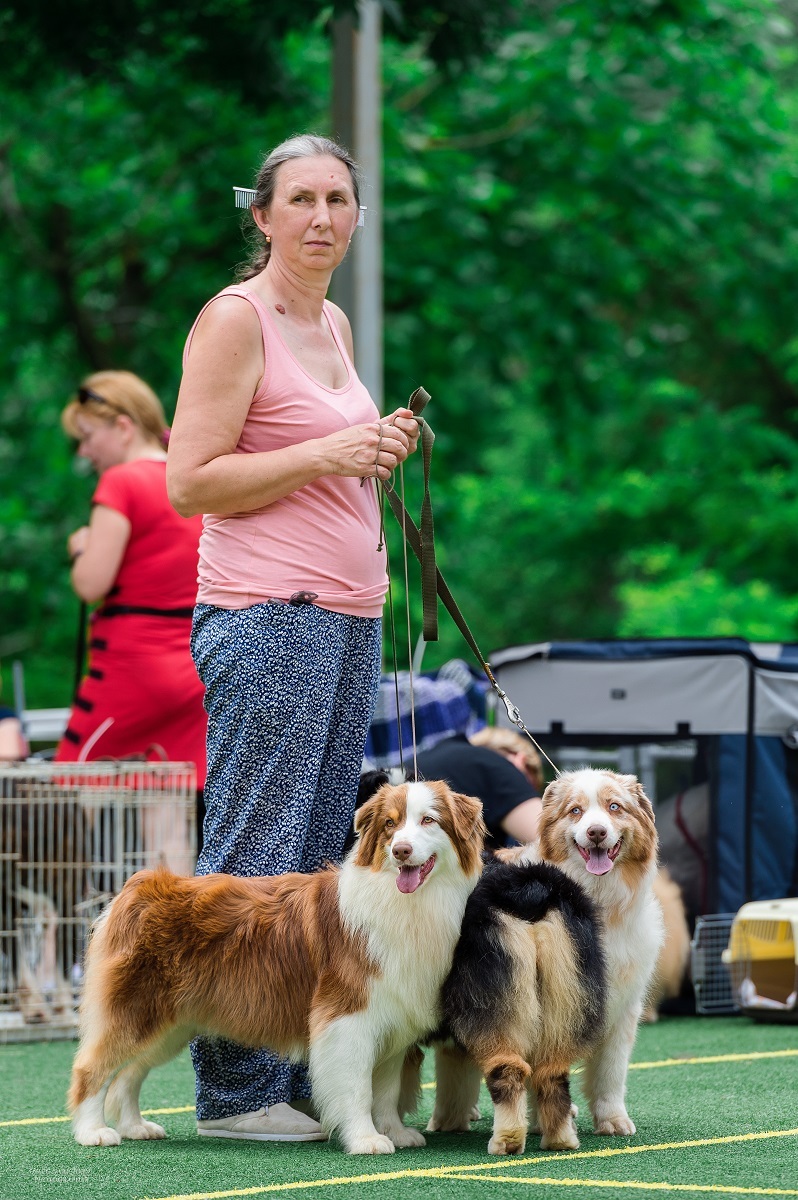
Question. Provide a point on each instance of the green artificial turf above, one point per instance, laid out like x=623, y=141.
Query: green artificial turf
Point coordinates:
x=673, y=1105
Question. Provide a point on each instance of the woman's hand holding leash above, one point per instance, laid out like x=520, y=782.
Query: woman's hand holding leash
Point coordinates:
x=374, y=450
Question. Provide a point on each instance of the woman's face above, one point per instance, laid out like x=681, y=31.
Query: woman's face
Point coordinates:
x=313, y=213
x=103, y=442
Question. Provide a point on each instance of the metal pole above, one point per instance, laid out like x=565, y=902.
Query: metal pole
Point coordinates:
x=357, y=120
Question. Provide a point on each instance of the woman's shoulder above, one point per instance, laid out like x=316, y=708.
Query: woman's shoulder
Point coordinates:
x=231, y=314
x=121, y=472
x=124, y=481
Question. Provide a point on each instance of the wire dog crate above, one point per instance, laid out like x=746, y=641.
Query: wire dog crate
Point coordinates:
x=70, y=835
x=711, y=980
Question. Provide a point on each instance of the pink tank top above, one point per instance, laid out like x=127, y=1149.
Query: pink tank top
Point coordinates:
x=321, y=538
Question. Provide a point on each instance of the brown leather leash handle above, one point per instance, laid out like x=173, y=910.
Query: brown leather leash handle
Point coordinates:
x=429, y=583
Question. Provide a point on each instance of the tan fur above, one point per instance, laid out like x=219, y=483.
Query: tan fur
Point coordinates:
x=533, y=1050
x=674, y=956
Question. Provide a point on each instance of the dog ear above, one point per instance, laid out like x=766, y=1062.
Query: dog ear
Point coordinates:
x=467, y=816
x=367, y=811
x=636, y=789
x=368, y=823
x=550, y=832
x=468, y=829
x=551, y=793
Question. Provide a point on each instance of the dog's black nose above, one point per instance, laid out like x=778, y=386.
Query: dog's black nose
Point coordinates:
x=597, y=833
x=402, y=851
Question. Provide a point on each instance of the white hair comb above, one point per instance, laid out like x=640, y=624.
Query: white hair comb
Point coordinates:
x=245, y=198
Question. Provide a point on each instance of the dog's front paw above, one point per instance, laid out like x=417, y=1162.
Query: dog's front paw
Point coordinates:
x=371, y=1143
x=405, y=1136
x=142, y=1131
x=564, y=1139
x=100, y=1136
x=620, y=1123
x=507, y=1143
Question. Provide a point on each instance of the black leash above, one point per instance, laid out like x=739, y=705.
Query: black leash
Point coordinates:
x=80, y=646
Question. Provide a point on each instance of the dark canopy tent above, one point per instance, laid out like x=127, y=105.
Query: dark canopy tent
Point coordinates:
x=737, y=700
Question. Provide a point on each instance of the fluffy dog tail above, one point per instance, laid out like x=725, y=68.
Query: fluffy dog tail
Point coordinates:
x=530, y=891
x=484, y=966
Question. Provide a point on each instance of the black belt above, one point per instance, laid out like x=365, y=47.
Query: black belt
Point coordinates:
x=123, y=610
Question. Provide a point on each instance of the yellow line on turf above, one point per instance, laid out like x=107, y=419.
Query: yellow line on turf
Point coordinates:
x=543, y=1181
x=460, y=1172
x=711, y=1058
x=615, y=1151
x=145, y=1112
x=692, y=1062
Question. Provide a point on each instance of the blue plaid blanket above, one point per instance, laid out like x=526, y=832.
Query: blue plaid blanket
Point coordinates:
x=448, y=701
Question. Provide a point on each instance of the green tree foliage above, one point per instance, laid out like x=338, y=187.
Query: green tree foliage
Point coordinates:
x=235, y=45
x=590, y=264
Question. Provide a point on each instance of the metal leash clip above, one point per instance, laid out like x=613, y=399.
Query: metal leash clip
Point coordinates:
x=512, y=709
x=516, y=719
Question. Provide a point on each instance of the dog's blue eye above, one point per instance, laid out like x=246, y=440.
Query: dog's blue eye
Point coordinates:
x=615, y=807
x=575, y=811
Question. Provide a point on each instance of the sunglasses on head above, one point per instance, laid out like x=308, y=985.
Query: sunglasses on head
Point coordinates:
x=86, y=394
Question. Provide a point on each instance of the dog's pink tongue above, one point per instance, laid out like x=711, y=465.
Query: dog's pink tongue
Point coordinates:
x=598, y=861
x=408, y=879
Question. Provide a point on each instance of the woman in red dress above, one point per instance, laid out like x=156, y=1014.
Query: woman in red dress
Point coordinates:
x=141, y=694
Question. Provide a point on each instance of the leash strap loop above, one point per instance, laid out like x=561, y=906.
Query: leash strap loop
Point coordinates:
x=429, y=593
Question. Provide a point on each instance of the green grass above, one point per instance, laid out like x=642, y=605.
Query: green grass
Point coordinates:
x=673, y=1105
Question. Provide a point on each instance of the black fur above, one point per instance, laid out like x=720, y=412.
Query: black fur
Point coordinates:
x=479, y=985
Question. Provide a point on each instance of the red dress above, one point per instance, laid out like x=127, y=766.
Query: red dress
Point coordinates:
x=141, y=693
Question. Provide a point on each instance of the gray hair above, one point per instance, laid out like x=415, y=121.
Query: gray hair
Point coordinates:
x=305, y=145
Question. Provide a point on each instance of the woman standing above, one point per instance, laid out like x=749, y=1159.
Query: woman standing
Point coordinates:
x=141, y=692
x=278, y=443
x=141, y=695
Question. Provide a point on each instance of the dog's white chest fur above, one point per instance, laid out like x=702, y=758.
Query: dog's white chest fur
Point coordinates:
x=411, y=939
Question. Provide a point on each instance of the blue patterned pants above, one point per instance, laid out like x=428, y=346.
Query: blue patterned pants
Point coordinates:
x=290, y=693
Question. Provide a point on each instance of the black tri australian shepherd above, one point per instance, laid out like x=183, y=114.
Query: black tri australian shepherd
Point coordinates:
x=525, y=998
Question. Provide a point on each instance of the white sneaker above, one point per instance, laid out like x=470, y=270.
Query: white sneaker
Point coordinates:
x=277, y=1123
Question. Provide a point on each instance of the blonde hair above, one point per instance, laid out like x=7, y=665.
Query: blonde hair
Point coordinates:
x=122, y=393
x=508, y=742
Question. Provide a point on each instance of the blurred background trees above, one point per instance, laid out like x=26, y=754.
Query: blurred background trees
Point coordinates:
x=591, y=259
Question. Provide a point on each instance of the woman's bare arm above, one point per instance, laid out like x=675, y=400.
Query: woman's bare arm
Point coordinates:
x=522, y=821
x=97, y=550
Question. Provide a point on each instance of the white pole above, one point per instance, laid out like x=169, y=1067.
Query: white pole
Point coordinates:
x=357, y=120
x=367, y=329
